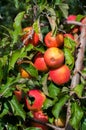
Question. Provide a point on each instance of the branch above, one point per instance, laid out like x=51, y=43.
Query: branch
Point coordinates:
x=75, y=23
x=78, y=64
x=80, y=58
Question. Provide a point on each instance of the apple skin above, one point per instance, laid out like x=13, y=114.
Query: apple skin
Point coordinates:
x=60, y=75
x=54, y=57
x=39, y=99
x=71, y=18
x=40, y=116
x=39, y=63
x=69, y=36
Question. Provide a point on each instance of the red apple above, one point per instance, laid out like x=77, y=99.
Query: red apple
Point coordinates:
x=60, y=75
x=54, y=57
x=39, y=63
x=69, y=36
x=39, y=98
x=71, y=18
x=40, y=116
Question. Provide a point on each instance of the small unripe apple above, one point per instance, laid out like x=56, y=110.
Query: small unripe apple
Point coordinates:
x=39, y=98
x=60, y=75
x=39, y=63
x=54, y=57
x=60, y=122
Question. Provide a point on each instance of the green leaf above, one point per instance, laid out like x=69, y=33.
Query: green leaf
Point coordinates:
x=30, y=69
x=69, y=58
x=17, y=26
x=17, y=108
x=79, y=90
x=7, y=89
x=64, y=8
x=76, y=115
x=84, y=125
x=52, y=20
x=48, y=103
x=5, y=110
x=15, y=56
x=53, y=90
x=70, y=44
x=44, y=83
x=58, y=106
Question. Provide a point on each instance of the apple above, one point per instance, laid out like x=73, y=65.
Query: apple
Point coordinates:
x=71, y=17
x=60, y=122
x=69, y=35
x=54, y=57
x=40, y=116
x=60, y=75
x=60, y=40
x=39, y=63
x=50, y=41
x=39, y=98
x=30, y=37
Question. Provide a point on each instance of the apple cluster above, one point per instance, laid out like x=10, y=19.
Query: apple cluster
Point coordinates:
x=52, y=61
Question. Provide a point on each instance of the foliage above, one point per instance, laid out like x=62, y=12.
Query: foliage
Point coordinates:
x=44, y=16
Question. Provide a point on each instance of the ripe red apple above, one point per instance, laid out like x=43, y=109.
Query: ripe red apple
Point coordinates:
x=71, y=17
x=54, y=57
x=69, y=36
x=50, y=41
x=40, y=116
x=39, y=98
x=60, y=75
x=39, y=63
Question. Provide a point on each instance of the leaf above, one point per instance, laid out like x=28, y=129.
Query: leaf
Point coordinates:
x=30, y=69
x=58, y=106
x=44, y=83
x=69, y=58
x=52, y=20
x=17, y=26
x=79, y=90
x=53, y=90
x=5, y=110
x=76, y=115
x=36, y=27
x=84, y=125
x=70, y=44
x=17, y=108
x=64, y=8
x=7, y=89
x=15, y=56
